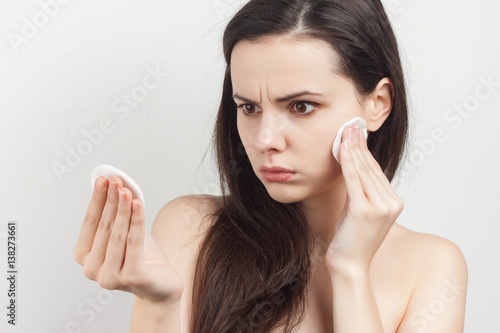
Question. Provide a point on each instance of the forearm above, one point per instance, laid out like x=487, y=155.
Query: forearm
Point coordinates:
x=355, y=309
x=155, y=317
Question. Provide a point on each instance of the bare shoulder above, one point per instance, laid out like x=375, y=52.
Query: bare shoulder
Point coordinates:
x=414, y=273
x=187, y=211
x=435, y=278
x=182, y=221
x=418, y=256
x=433, y=251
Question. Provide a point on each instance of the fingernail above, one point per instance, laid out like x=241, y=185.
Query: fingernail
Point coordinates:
x=122, y=196
x=100, y=183
x=351, y=133
x=362, y=135
x=113, y=186
x=135, y=207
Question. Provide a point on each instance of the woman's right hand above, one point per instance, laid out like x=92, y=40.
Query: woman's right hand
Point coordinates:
x=116, y=251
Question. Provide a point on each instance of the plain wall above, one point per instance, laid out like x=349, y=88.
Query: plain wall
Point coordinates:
x=68, y=76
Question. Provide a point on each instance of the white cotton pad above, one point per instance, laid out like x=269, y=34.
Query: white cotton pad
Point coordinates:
x=108, y=171
x=358, y=121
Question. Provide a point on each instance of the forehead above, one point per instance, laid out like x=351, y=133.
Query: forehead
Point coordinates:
x=281, y=60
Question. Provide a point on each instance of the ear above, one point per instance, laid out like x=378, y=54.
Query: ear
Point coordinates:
x=378, y=105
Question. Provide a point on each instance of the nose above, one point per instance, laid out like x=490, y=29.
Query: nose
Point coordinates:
x=270, y=133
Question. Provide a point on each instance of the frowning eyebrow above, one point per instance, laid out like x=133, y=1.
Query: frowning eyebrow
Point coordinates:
x=281, y=99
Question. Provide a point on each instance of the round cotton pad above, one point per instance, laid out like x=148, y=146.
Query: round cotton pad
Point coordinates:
x=108, y=171
x=358, y=121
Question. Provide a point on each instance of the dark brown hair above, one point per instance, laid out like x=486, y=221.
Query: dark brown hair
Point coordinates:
x=254, y=264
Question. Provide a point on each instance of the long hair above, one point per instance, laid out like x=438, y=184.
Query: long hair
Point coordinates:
x=254, y=264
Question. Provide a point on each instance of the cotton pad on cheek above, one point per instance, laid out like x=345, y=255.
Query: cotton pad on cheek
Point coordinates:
x=359, y=122
x=108, y=171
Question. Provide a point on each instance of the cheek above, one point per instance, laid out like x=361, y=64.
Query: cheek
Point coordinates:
x=314, y=149
x=247, y=139
x=242, y=131
x=322, y=136
x=319, y=148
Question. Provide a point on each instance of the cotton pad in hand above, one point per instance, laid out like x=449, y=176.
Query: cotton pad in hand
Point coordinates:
x=108, y=171
x=359, y=122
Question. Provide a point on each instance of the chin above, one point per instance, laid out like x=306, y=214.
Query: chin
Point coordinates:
x=285, y=200
x=284, y=195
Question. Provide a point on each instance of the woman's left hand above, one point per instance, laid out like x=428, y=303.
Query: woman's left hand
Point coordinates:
x=370, y=210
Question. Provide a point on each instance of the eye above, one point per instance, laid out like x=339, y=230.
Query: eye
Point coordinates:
x=248, y=109
x=302, y=109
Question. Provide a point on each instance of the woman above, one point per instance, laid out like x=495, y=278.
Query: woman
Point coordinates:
x=297, y=242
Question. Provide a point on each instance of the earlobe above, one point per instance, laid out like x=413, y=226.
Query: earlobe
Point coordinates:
x=379, y=104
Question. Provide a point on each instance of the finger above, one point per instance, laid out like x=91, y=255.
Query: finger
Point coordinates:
x=115, y=253
x=371, y=188
x=353, y=134
x=98, y=252
x=377, y=172
x=134, y=255
x=386, y=198
x=350, y=173
x=369, y=162
x=91, y=220
x=372, y=185
x=373, y=181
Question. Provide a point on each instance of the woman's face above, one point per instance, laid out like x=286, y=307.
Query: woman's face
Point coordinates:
x=294, y=133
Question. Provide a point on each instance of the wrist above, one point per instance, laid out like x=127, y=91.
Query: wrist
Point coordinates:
x=158, y=303
x=348, y=268
x=155, y=310
x=154, y=316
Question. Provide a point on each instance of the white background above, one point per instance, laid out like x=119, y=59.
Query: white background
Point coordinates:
x=65, y=77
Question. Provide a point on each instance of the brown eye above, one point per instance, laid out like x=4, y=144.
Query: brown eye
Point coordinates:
x=302, y=107
x=248, y=109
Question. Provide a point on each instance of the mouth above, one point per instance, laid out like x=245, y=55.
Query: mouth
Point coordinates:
x=277, y=174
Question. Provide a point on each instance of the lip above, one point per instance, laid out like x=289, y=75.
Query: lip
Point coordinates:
x=275, y=169
x=277, y=174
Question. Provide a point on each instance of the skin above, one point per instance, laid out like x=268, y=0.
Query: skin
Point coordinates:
x=370, y=274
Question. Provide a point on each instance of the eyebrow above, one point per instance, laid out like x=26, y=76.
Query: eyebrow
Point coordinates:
x=281, y=99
